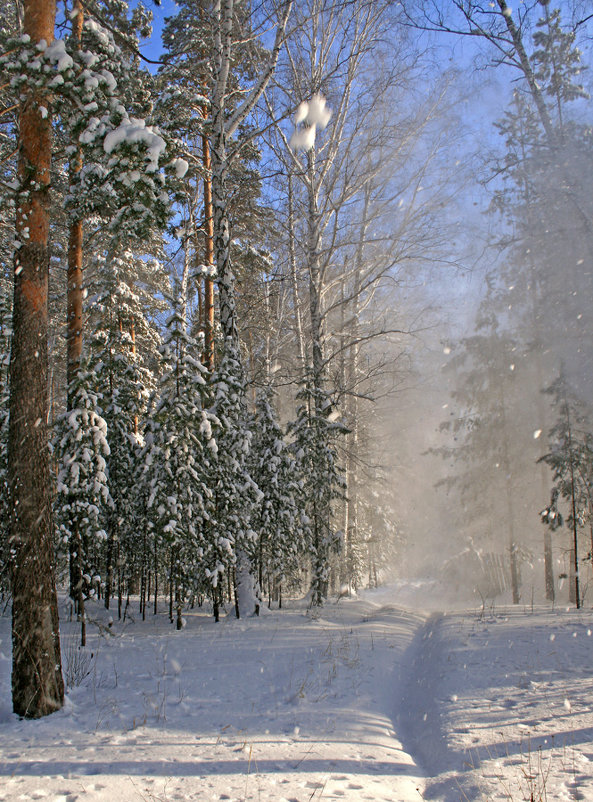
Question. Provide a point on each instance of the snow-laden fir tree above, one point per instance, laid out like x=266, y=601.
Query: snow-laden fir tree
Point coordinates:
x=487, y=437
x=282, y=528
x=82, y=499
x=571, y=461
x=179, y=460
x=232, y=543
x=314, y=433
x=123, y=383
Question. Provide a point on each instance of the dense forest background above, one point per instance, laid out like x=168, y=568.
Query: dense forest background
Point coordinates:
x=315, y=283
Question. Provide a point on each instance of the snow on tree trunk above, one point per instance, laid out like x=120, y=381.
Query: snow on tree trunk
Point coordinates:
x=248, y=591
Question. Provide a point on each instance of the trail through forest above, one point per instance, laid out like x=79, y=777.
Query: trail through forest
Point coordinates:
x=373, y=699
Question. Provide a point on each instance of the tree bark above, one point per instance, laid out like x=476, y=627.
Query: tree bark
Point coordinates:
x=294, y=279
x=209, y=258
x=573, y=505
x=37, y=683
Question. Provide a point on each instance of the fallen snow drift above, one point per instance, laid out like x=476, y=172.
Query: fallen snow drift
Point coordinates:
x=371, y=700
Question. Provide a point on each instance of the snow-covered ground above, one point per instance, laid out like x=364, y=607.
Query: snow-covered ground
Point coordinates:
x=379, y=698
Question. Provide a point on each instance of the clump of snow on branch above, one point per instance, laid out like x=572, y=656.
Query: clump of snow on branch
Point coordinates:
x=310, y=116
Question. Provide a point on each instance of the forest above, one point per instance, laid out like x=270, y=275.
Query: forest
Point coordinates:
x=295, y=298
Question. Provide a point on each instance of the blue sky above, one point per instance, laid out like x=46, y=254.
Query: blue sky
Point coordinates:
x=152, y=49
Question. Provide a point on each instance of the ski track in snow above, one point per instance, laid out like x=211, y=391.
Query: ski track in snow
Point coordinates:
x=369, y=701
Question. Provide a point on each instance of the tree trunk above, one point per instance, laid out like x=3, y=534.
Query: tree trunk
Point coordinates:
x=37, y=683
x=74, y=341
x=74, y=272
x=321, y=508
x=219, y=162
x=171, y=581
x=209, y=258
x=506, y=465
x=572, y=587
x=549, y=565
x=575, y=589
x=156, y=578
x=351, y=534
x=294, y=279
x=109, y=567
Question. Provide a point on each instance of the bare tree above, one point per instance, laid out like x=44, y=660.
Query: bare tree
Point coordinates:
x=360, y=205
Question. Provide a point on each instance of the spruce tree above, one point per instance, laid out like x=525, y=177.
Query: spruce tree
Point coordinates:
x=123, y=383
x=83, y=496
x=571, y=461
x=232, y=543
x=281, y=527
x=314, y=433
x=179, y=458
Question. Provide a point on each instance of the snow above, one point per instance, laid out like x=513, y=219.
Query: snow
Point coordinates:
x=314, y=114
x=304, y=138
x=136, y=130
x=56, y=53
x=317, y=112
x=390, y=696
x=180, y=166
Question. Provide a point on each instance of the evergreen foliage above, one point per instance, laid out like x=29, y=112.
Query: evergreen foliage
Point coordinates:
x=314, y=434
x=124, y=383
x=281, y=527
x=179, y=459
x=233, y=543
x=570, y=459
x=82, y=501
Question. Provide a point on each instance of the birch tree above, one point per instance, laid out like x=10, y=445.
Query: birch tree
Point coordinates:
x=354, y=217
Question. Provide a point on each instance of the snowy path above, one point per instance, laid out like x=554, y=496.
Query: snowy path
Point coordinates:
x=281, y=708
x=499, y=706
x=369, y=702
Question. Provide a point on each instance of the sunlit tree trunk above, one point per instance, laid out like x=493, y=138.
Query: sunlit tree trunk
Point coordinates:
x=209, y=257
x=294, y=278
x=513, y=556
x=321, y=507
x=37, y=684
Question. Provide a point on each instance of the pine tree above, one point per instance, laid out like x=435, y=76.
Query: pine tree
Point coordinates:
x=37, y=683
x=187, y=81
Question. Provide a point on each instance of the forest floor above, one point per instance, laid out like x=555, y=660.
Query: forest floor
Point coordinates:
x=374, y=699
